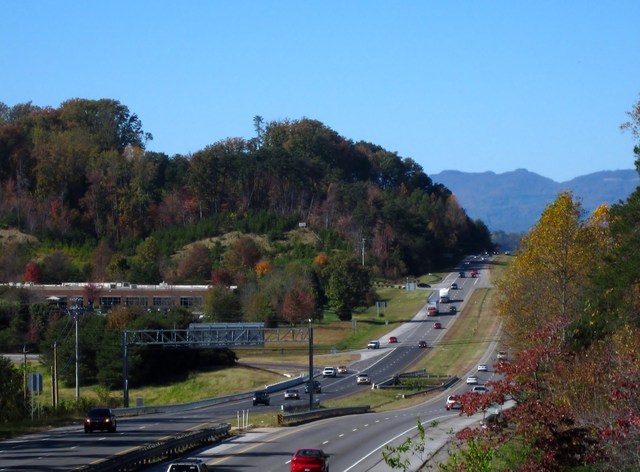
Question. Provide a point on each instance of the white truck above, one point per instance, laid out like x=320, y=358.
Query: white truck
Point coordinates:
x=444, y=295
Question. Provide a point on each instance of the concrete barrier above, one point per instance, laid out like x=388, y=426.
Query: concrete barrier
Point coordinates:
x=299, y=418
x=164, y=449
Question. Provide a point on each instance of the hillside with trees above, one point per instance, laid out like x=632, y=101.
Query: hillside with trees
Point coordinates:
x=79, y=176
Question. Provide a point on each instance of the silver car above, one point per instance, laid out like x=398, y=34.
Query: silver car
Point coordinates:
x=188, y=465
x=363, y=378
x=329, y=372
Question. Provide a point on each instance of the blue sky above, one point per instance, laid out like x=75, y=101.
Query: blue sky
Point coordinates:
x=463, y=85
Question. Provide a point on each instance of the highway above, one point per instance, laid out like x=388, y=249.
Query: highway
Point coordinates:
x=354, y=442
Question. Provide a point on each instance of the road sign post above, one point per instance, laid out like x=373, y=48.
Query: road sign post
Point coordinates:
x=35, y=387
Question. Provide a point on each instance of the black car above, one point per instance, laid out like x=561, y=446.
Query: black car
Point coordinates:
x=100, y=418
x=316, y=387
x=261, y=397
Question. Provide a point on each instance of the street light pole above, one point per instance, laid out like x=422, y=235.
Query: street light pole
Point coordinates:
x=125, y=369
x=54, y=380
x=77, y=358
x=24, y=371
x=311, y=383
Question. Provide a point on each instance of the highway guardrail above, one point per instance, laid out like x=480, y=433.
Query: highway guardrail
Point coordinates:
x=165, y=449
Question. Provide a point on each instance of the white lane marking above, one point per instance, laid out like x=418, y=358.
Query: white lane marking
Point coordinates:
x=389, y=441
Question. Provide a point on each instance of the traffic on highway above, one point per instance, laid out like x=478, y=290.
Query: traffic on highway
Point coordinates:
x=351, y=443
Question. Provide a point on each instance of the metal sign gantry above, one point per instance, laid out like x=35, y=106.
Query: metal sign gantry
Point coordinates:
x=207, y=335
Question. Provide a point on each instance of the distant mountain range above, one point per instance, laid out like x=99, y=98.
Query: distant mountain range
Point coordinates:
x=513, y=201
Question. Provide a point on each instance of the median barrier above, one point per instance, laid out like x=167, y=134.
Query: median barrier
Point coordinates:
x=396, y=380
x=321, y=413
x=161, y=450
x=445, y=385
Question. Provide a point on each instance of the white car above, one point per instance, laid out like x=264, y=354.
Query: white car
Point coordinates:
x=329, y=372
x=196, y=465
x=502, y=355
x=472, y=380
x=479, y=389
x=363, y=378
x=483, y=368
x=453, y=401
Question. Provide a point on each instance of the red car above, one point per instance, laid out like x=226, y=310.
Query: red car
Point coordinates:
x=309, y=460
x=437, y=326
x=393, y=340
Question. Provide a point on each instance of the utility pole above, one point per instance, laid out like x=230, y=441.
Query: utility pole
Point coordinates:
x=24, y=369
x=363, y=241
x=125, y=370
x=77, y=359
x=311, y=383
x=54, y=377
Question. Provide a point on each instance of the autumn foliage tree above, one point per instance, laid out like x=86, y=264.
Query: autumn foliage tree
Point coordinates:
x=549, y=278
x=91, y=294
x=321, y=260
x=100, y=261
x=242, y=255
x=221, y=277
x=196, y=266
x=298, y=305
x=263, y=268
x=542, y=424
x=32, y=273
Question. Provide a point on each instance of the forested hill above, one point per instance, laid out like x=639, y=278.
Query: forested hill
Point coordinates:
x=80, y=173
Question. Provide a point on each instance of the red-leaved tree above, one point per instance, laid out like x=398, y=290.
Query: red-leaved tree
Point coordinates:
x=541, y=421
x=32, y=273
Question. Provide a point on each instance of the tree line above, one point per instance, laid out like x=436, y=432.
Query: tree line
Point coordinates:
x=80, y=173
